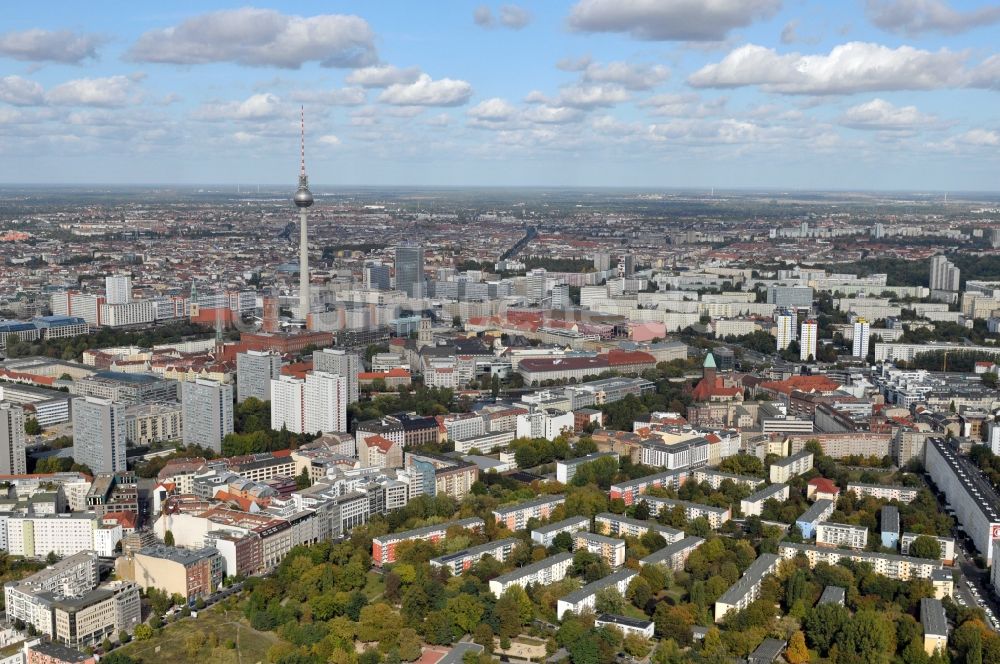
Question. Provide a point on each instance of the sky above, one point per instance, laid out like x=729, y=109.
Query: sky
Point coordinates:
x=780, y=94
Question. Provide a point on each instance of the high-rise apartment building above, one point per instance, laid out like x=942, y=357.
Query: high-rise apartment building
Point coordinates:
x=410, y=270
x=602, y=261
x=118, y=289
x=807, y=340
x=535, y=284
x=342, y=363
x=316, y=404
x=99, y=434
x=377, y=277
x=944, y=275
x=560, y=296
x=326, y=402
x=287, y=404
x=12, y=457
x=862, y=332
x=255, y=369
x=785, y=320
x=208, y=412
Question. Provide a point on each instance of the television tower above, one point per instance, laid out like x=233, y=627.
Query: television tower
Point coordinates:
x=303, y=199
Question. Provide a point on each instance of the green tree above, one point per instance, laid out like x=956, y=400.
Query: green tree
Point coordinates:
x=32, y=427
x=302, y=480
x=609, y=600
x=870, y=636
x=143, y=632
x=168, y=538
x=925, y=546
x=824, y=623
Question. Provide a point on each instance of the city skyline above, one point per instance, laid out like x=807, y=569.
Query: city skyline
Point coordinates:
x=877, y=95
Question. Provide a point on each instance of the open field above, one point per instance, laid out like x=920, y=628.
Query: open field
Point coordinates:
x=170, y=644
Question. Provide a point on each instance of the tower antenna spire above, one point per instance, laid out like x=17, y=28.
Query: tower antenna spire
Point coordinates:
x=302, y=134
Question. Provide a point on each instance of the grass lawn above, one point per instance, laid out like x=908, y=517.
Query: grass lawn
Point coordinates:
x=374, y=586
x=168, y=646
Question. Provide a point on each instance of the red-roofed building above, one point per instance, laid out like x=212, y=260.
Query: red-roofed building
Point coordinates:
x=821, y=488
x=378, y=452
x=810, y=384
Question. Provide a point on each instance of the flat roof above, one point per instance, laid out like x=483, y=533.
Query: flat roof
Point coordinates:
x=813, y=514
x=614, y=619
x=534, y=567
x=832, y=595
x=672, y=549
x=660, y=528
x=560, y=525
x=768, y=650
x=859, y=555
x=420, y=532
x=528, y=504
x=976, y=488
x=685, y=503
x=593, y=587
x=933, y=617
x=603, y=539
x=789, y=460
x=758, y=568
x=766, y=492
x=475, y=550
x=889, y=521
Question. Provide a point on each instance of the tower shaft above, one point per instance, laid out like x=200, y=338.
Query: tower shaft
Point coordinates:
x=304, y=298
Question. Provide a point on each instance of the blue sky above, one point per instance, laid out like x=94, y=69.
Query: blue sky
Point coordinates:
x=853, y=94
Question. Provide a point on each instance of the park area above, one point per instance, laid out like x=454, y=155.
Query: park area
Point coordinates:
x=217, y=635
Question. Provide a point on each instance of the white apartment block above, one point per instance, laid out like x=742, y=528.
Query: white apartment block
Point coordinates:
x=753, y=504
x=62, y=534
x=544, y=423
x=584, y=599
x=545, y=571
x=516, y=517
x=900, y=568
x=326, y=401
x=747, y=589
x=947, y=545
x=546, y=535
x=255, y=369
x=607, y=523
x=903, y=494
x=610, y=549
x=287, y=399
x=673, y=555
x=460, y=561
x=841, y=534
x=13, y=460
x=788, y=467
x=716, y=516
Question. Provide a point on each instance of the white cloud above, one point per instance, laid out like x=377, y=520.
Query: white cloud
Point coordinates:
x=335, y=97
x=849, y=68
x=914, y=17
x=110, y=91
x=260, y=38
x=427, y=92
x=382, y=76
x=574, y=64
x=669, y=20
x=880, y=114
x=49, y=46
x=258, y=107
x=685, y=105
x=592, y=96
x=492, y=110
x=628, y=75
x=980, y=137
x=514, y=17
x=546, y=114
x=510, y=16
x=329, y=140
x=20, y=91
